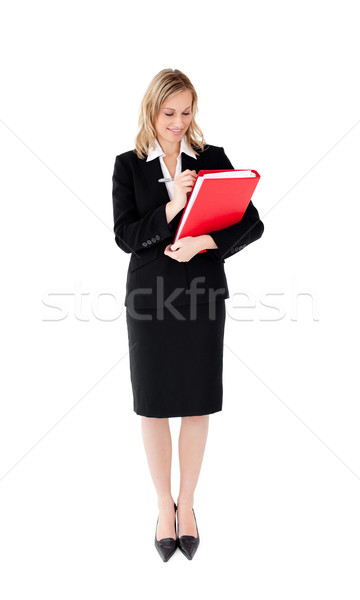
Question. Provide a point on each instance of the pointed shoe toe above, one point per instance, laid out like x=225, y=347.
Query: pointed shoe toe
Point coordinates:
x=166, y=546
x=188, y=545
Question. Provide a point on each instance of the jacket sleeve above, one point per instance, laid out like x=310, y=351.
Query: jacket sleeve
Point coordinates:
x=235, y=237
x=133, y=233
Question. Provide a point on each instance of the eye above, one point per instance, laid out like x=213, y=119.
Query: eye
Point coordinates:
x=173, y=115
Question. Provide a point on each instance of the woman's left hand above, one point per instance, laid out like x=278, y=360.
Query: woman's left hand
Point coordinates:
x=184, y=249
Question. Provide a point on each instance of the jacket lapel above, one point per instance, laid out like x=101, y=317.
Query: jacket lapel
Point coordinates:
x=152, y=173
x=188, y=162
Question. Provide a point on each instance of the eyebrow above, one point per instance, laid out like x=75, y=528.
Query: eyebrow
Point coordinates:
x=167, y=108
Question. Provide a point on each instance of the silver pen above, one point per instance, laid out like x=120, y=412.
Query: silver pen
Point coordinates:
x=165, y=179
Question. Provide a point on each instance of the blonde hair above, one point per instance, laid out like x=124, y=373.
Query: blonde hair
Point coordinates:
x=163, y=86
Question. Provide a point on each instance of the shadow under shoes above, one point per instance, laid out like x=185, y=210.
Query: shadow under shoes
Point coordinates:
x=188, y=544
x=166, y=546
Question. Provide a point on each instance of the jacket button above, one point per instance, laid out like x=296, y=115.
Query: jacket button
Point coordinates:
x=144, y=244
x=157, y=237
x=153, y=239
x=236, y=248
x=149, y=242
x=232, y=250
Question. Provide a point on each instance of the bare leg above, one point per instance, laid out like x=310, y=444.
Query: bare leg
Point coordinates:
x=192, y=441
x=157, y=442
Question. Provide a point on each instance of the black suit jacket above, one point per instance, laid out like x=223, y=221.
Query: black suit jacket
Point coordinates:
x=141, y=228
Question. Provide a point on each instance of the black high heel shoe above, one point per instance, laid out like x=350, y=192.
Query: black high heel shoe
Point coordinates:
x=188, y=544
x=166, y=546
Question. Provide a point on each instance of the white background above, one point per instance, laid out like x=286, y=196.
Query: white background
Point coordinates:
x=278, y=495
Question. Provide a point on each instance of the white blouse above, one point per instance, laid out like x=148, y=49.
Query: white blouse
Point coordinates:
x=158, y=152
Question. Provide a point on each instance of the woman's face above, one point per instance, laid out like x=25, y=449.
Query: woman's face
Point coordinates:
x=175, y=114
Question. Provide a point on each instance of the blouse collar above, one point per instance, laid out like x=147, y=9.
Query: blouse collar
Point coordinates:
x=158, y=151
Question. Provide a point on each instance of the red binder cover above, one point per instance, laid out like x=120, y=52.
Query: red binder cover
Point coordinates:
x=218, y=204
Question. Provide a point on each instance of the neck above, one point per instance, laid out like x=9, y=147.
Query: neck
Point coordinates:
x=170, y=148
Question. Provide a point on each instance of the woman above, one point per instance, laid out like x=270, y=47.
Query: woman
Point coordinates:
x=175, y=296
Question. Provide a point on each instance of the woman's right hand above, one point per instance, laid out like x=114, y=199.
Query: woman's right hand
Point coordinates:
x=183, y=184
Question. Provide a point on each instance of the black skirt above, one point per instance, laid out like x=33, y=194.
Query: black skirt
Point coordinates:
x=176, y=359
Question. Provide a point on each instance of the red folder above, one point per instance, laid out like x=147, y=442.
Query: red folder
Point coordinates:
x=219, y=203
